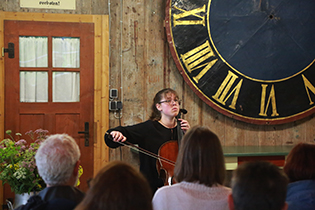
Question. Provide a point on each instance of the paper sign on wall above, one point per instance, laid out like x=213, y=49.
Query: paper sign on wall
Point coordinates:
x=48, y=4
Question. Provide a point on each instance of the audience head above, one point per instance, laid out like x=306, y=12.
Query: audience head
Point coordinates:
x=57, y=160
x=200, y=158
x=300, y=163
x=167, y=92
x=258, y=186
x=118, y=186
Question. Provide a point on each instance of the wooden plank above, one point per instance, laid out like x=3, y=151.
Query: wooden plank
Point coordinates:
x=99, y=7
x=253, y=135
x=105, y=94
x=98, y=94
x=154, y=45
x=47, y=17
x=134, y=72
x=234, y=133
x=101, y=153
x=193, y=105
x=310, y=130
x=214, y=120
x=133, y=54
x=83, y=6
x=115, y=67
x=271, y=135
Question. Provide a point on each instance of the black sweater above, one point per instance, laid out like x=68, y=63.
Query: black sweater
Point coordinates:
x=149, y=135
x=55, y=197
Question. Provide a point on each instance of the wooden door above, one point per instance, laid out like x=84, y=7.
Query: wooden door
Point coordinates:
x=53, y=115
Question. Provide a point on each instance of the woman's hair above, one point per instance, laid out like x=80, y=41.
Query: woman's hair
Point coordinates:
x=200, y=158
x=56, y=158
x=156, y=114
x=118, y=186
x=300, y=163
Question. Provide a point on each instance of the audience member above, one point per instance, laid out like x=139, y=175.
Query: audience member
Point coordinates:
x=200, y=173
x=57, y=160
x=258, y=186
x=118, y=186
x=300, y=168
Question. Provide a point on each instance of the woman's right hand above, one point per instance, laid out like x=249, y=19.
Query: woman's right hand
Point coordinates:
x=118, y=136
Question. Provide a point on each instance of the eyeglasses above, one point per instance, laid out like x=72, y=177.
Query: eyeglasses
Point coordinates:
x=169, y=102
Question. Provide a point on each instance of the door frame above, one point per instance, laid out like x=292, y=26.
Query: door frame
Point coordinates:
x=101, y=67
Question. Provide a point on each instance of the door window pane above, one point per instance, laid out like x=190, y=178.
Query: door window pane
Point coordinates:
x=66, y=52
x=33, y=51
x=33, y=86
x=66, y=87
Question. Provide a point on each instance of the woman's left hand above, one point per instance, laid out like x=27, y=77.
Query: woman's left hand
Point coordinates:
x=184, y=125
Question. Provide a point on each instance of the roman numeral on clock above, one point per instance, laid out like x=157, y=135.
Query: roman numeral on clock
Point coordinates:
x=184, y=14
x=224, y=92
x=272, y=98
x=193, y=59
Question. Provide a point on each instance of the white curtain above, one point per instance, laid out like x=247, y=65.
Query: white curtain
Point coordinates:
x=66, y=52
x=33, y=86
x=66, y=86
x=33, y=52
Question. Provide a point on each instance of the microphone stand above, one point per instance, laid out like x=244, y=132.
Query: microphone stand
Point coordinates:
x=180, y=132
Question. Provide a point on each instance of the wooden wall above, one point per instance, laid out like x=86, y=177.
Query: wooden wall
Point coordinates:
x=141, y=64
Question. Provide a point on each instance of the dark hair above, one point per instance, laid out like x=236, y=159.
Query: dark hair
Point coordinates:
x=259, y=186
x=300, y=163
x=156, y=114
x=118, y=186
x=200, y=158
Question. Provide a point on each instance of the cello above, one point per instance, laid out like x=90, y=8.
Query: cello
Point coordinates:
x=169, y=150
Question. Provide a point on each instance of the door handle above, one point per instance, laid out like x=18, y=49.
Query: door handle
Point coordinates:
x=86, y=134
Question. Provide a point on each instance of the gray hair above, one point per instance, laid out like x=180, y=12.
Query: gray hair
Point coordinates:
x=56, y=158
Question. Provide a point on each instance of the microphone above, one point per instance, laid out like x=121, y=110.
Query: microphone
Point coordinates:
x=180, y=132
x=184, y=111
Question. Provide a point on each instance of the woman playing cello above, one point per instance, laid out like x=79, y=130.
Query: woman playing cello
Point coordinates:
x=151, y=134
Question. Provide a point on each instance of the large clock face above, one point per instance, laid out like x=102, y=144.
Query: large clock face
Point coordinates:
x=250, y=60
